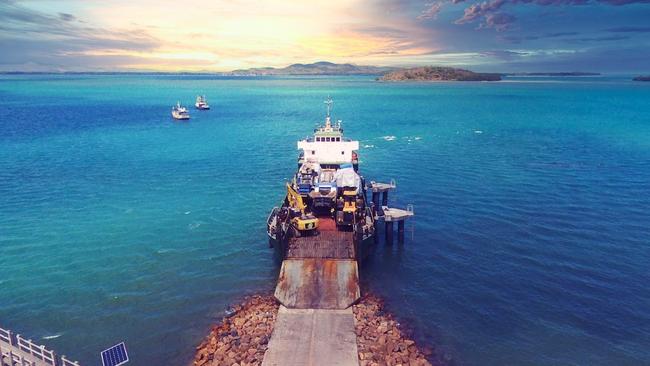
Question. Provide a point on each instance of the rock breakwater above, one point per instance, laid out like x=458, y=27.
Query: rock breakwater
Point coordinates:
x=242, y=337
x=380, y=340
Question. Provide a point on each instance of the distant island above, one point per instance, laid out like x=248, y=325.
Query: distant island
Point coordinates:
x=325, y=68
x=316, y=68
x=571, y=73
x=437, y=73
x=642, y=78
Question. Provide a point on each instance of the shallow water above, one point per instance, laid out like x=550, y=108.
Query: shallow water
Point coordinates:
x=530, y=245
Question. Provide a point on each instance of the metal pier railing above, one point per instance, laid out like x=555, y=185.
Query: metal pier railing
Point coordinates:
x=15, y=350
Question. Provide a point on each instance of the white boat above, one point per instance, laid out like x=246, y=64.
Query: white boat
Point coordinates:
x=201, y=103
x=179, y=112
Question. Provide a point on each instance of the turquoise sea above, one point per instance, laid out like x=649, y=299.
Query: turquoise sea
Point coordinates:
x=532, y=196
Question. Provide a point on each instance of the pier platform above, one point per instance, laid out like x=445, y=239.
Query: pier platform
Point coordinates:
x=391, y=214
x=376, y=187
x=312, y=337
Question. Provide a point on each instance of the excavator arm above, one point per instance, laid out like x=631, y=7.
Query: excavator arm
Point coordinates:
x=306, y=221
x=295, y=199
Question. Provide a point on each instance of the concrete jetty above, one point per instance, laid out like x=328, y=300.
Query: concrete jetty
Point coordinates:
x=312, y=337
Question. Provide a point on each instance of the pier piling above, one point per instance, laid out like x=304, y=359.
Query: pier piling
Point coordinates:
x=400, y=231
x=375, y=202
x=389, y=232
x=384, y=198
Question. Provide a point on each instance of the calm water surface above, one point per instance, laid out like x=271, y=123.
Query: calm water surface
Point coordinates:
x=532, y=196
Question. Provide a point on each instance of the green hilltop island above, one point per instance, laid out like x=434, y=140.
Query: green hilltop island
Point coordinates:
x=438, y=73
x=384, y=73
x=642, y=78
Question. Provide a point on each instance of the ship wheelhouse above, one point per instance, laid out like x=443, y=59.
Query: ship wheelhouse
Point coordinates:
x=328, y=147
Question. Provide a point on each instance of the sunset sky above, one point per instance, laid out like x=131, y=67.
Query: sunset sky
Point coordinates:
x=490, y=35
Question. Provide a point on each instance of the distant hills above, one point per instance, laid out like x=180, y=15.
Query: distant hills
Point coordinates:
x=317, y=68
x=437, y=73
x=426, y=73
x=642, y=78
x=384, y=73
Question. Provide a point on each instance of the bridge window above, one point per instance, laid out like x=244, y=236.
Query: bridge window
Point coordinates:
x=327, y=139
x=342, y=152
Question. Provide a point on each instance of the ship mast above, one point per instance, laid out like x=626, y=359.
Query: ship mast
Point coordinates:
x=329, y=103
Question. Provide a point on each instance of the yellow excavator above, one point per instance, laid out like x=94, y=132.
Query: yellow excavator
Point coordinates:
x=301, y=220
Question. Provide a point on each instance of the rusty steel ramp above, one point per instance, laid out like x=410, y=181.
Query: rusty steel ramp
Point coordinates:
x=316, y=283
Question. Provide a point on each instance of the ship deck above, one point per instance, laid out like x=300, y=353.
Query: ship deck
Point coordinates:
x=328, y=243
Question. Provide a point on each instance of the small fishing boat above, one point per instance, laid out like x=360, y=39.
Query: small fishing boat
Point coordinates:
x=201, y=103
x=179, y=112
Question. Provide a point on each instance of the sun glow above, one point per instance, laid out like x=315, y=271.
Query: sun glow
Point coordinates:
x=224, y=35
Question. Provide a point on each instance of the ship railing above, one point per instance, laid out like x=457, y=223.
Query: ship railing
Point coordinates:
x=272, y=222
x=369, y=214
x=273, y=212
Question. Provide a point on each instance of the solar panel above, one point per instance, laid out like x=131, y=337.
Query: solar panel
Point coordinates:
x=115, y=355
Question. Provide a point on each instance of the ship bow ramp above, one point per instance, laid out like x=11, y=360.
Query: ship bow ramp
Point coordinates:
x=316, y=283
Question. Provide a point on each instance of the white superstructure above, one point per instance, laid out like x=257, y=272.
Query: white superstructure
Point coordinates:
x=328, y=146
x=179, y=112
x=201, y=103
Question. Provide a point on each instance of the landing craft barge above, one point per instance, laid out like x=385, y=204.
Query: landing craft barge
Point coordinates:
x=325, y=199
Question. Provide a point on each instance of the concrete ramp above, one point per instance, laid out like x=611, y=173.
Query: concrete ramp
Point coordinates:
x=315, y=283
x=312, y=337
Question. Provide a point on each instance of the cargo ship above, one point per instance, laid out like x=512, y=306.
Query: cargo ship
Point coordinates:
x=325, y=212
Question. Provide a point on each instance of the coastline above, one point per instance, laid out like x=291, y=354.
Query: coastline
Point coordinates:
x=241, y=338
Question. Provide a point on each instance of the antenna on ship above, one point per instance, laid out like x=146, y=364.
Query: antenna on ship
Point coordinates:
x=329, y=103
